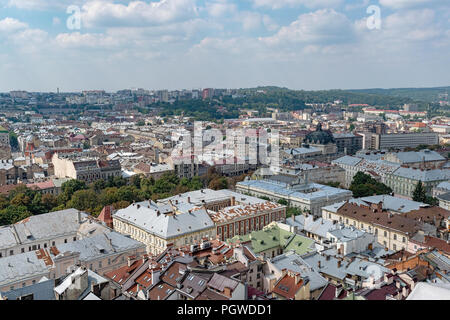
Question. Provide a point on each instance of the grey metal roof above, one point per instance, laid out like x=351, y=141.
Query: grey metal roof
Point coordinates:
x=40, y=291
x=283, y=190
x=357, y=266
x=347, y=160
x=391, y=203
x=418, y=156
x=424, y=176
x=294, y=262
x=313, y=225
x=444, y=185
x=164, y=225
x=21, y=266
x=44, y=226
x=445, y=196
x=100, y=245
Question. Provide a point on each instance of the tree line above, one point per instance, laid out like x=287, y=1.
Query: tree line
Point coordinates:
x=23, y=202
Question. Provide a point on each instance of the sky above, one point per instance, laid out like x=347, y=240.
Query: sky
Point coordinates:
x=78, y=45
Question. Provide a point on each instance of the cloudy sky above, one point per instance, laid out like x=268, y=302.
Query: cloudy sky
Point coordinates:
x=175, y=44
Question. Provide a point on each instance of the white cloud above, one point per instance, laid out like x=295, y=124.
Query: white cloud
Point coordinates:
x=135, y=13
x=42, y=4
x=278, y=4
x=220, y=8
x=9, y=25
x=92, y=40
x=399, y=4
x=324, y=26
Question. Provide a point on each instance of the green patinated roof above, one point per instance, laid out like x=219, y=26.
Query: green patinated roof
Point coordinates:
x=273, y=236
x=2, y=129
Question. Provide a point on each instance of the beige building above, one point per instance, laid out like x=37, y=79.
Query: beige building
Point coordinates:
x=85, y=169
x=393, y=231
x=158, y=225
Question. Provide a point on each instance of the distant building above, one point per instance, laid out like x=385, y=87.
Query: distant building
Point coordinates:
x=400, y=141
x=5, y=147
x=309, y=197
x=348, y=143
x=403, y=181
x=85, y=169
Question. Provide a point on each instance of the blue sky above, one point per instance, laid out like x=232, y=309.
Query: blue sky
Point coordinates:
x=174, y=44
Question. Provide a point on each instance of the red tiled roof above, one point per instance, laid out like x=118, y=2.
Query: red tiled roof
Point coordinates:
x=121, y=275
x=286, y=287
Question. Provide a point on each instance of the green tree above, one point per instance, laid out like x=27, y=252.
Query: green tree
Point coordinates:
x=85, y=200
x=364, y=185
x=419, y=193
x=13, y=214
x=14, y=143
x=218, y=184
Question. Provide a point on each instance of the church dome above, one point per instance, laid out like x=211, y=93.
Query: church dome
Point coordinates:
x=319, y=136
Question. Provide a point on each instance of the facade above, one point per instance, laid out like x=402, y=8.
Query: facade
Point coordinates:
x=378, y=169
x=403, y=181
x=425, y=159
x=5, y=147
x=243, y=219
x=348, y=143
x=158, y=226
x=402, y=140
x=393, y=231
x=45, y=231
x=85, y=169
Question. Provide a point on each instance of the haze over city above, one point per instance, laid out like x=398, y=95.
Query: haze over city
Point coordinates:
x=175, y=44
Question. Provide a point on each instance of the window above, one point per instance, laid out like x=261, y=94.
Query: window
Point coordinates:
x=21, y=250
x=65, y=240
x=404, y=240
x=74, y=238
x=385, y=233
x=99, y=264
x=11, y=252
x=45, y=245
x=394, y=246
x=53, y=243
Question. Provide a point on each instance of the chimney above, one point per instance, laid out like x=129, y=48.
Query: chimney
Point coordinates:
x=233, y=201
x=189, y=199
x=339, y=263
x=318, y=264
x=129, y=261
x=155, y=276
x=297, y=278
x=79, y=216
x=338, y=291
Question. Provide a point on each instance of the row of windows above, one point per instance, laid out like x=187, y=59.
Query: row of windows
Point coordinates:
x=370, y=228
x=35, y=247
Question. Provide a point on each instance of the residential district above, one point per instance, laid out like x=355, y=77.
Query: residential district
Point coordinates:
x=94, y=205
